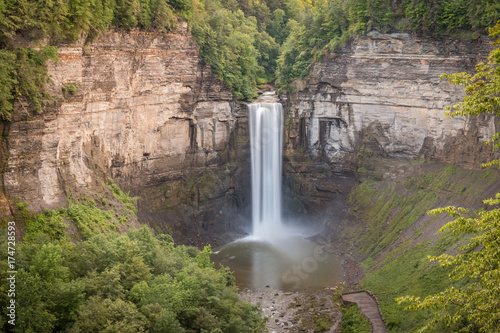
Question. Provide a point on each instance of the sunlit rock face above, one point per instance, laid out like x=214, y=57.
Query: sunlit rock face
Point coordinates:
x=389, y=85
x=145, y=113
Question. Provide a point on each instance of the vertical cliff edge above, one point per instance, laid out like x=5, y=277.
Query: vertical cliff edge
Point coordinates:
x=380, y=97
x=140, y=108
x=146, y=114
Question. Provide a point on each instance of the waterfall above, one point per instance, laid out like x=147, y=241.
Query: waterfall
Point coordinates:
x=266, y=142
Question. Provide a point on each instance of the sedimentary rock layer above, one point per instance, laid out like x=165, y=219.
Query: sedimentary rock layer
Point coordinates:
x=145, y=113
x=389, y=85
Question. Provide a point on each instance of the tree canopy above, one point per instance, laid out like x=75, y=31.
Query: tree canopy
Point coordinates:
x=475, y=307
x=246, y=43
x=323, y=26
x=133, y=282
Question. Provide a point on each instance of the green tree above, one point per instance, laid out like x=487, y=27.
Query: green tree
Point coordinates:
x=79, y=18
x=48, y=264
x=35, y=315
x=126, y=13
x=277, y=28
x=475, y=307
x=228, y=43
x=106, y=315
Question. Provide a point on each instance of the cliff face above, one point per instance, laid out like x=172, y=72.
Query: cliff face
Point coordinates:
x=381, y=94
x=390, y=82
x=146, y=114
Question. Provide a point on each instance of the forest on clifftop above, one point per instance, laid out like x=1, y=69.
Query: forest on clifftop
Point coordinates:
x=246, y=43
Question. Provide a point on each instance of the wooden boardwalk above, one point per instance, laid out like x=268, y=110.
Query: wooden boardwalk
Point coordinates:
x=369, y=307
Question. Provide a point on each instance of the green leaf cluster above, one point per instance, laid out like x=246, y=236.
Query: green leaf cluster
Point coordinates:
x=66, y=20
x=23, y=71
x=23, y=75
x=91, y=216
x=133, y=282
x=482, y=90
x=353, y=321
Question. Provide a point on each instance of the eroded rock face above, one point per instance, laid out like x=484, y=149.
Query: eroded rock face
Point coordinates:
x=146, y=113
x=381, y=94
x=391, y=84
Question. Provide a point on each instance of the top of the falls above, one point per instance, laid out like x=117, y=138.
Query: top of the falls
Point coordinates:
x=267, y=97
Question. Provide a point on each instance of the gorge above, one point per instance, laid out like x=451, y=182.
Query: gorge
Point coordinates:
x=146, y=127
x=367, y=150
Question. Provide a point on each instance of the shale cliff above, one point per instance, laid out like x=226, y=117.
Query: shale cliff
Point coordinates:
x=145, y=113
x=381, y=94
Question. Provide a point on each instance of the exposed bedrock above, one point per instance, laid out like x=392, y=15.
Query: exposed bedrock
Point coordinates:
x=147, y=114
x=381, y=92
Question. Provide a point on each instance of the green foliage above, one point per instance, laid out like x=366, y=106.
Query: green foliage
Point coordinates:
x=90, y=219
x=278, y=28
x=482, y=90
x=410, y=273
x=23, y=71
x=396, y=266
x=353, y=321
x=24, y=75
x=125, y=198
x=319, y=29
x=47, y=263
x=106, y=315
x=49, y=222
x=163, y=17
x=476, y=301
x=35, y=316
x=69, y=88
x=7, y=82
x=454, y=15
x=391, y=214
x=230, y=43
x=472, y=304
x=240, y=40
x=32, y=75
x=133, y=282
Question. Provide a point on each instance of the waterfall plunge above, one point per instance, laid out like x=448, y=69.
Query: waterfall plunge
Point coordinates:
x=266, y=142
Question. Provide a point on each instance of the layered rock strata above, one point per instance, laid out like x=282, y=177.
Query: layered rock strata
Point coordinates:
x=145, y=113
x=389, y=82
x=382, y=93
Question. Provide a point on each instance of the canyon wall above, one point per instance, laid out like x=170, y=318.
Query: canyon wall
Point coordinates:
x=146, y=114
x=381, y=94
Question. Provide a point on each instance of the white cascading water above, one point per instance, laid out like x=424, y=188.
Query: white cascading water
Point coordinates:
x=266, y=142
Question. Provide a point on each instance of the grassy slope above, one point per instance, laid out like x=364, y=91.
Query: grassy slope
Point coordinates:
x=88, y=213
x=394, y=236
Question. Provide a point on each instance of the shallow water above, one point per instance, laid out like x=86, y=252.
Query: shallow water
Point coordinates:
x=289, y=264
